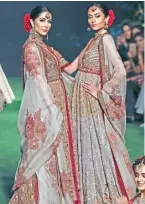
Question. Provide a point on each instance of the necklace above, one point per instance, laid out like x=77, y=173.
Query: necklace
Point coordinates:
x=36, y=36
x=100, y=33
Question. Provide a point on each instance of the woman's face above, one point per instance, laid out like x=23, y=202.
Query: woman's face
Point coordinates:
x=135, y=31
x=96, y=18
x=127, y=32
x=139, y=41
x=140, y=177
x=42, y=23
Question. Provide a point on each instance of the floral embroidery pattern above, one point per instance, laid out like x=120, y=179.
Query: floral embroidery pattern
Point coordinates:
x=112, y=140
x=56, y=143
x=64, y=180
x=107, y=72
x=51, y=167
x=61, y=182
x=28, y=193
x=86, y=58
x=31, y=59
x=128, y=164
x=115, y=111
x=35, y=130
x=117, y=99
x=20, y=178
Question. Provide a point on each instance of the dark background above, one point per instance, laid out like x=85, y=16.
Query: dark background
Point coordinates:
x=69, y=28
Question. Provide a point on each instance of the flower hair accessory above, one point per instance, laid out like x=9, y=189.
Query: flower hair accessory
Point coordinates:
x=111, y=18
x=27, y=24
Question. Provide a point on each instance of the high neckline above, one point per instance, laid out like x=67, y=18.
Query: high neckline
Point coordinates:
x=100, y=33
x=36, y=36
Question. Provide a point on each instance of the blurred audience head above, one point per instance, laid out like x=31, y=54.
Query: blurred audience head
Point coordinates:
x=136, y=29
x=127, y=31
x=139, y=39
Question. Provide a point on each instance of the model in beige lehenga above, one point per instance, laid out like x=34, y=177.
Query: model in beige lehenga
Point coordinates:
x=99, y=116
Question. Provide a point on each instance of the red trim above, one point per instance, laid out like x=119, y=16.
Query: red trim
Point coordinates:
x=70, y=139
x=63, y=67
x=119, y=178
x=76, y=202
x=101, y=75
x=132, y=200
x=90, y=72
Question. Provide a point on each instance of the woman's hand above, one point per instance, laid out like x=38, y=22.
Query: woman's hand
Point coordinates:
x=71, y=68
x=91, y=89
x=122, y=200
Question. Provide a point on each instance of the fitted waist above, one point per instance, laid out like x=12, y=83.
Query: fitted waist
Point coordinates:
x=89, y=70
x=50, y=79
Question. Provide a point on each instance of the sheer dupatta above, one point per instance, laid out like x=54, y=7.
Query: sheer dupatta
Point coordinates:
x=39, y=120
x=68, y=82
x=67, y=79
x=112, y=101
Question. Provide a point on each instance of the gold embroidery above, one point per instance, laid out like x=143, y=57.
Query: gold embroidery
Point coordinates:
x=54, y=79
x=58, y=93
x=27, y=194
x=87, y=56
x=115, y=111
x=52, y=65
x=35, y=130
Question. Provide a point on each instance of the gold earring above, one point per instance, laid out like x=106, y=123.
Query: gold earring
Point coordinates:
x=106, y=26
x=33, y=32
x=88, y=29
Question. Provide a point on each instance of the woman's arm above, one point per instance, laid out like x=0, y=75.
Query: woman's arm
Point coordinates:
x=71, y=68
x=35, y=70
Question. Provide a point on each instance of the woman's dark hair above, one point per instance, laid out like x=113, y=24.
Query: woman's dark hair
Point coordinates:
x=37, y=11
x=125, y=24
x=139, y=35
x=102, y=7
x=138, y=27
x=139, y=161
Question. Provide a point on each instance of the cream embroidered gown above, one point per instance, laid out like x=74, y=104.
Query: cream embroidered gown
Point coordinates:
x=104, y=166
x=47, y=171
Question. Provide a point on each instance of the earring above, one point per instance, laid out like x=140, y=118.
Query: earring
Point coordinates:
x=88, y=29
x=33, y=32
x=106, y=26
